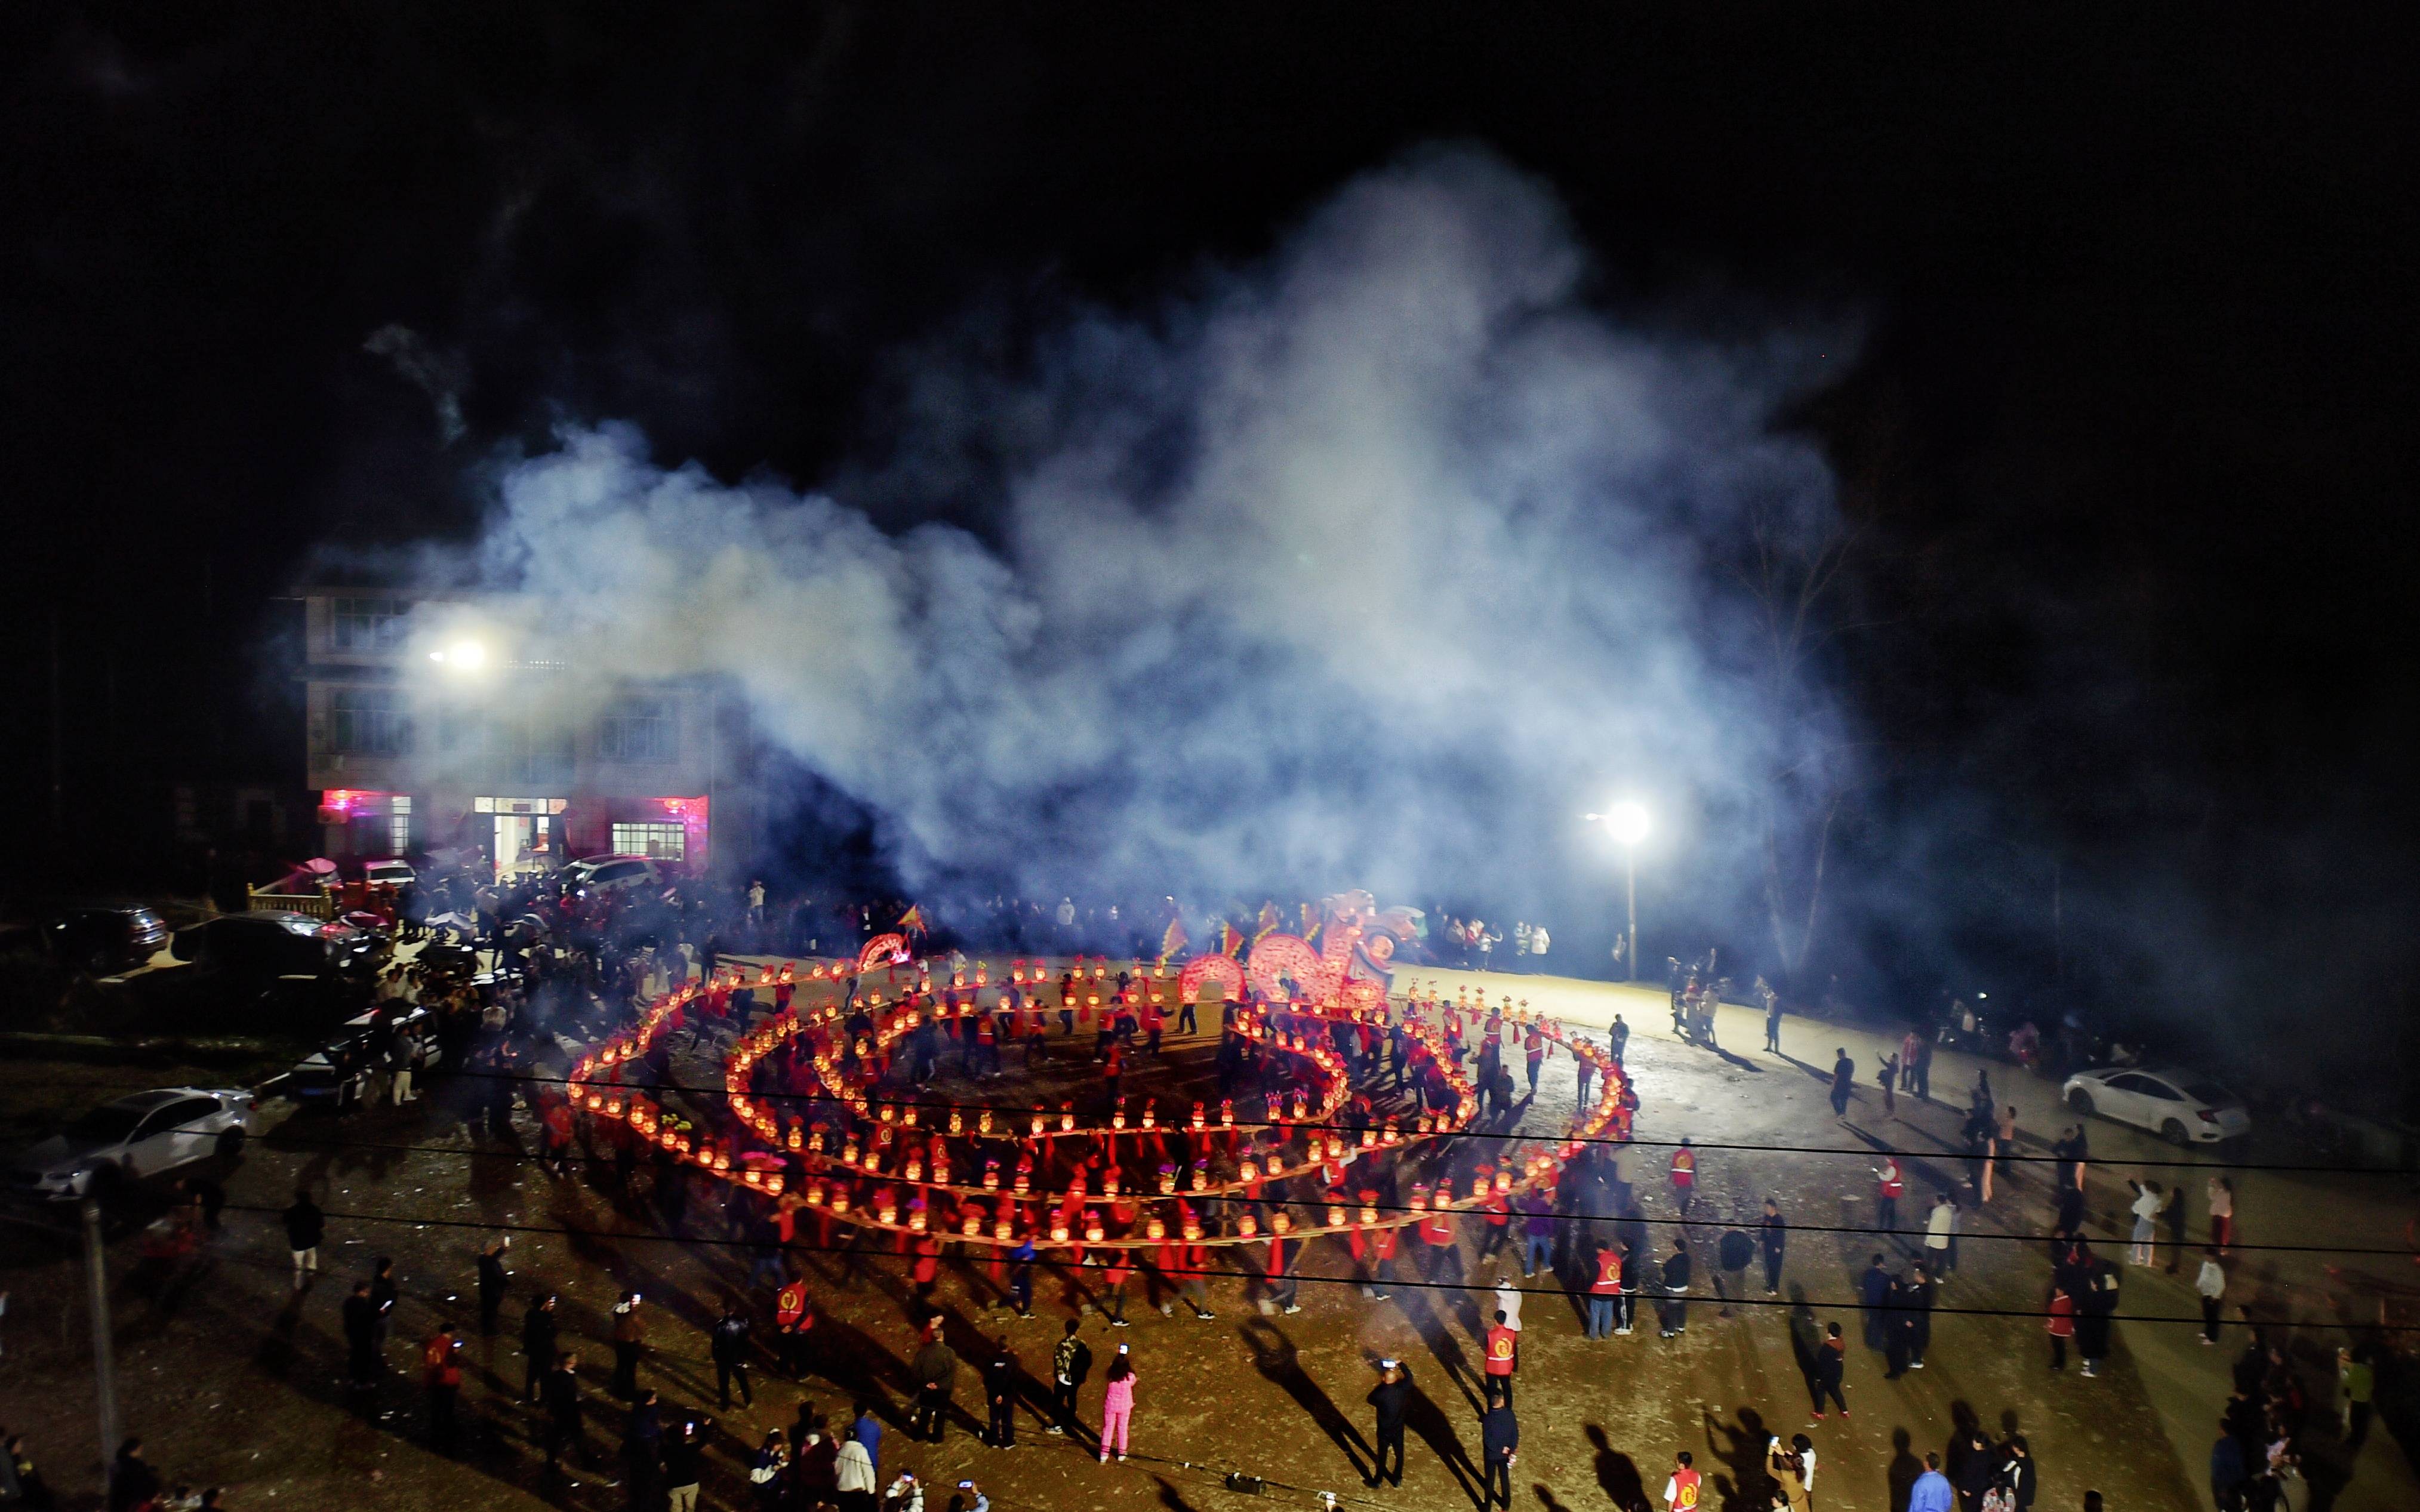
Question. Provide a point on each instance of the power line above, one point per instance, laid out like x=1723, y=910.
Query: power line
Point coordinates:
x=1320, y=1203
x=1063, y=1269
x=1866, y=1152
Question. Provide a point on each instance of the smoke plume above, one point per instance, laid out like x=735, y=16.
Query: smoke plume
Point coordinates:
x=1373, y=564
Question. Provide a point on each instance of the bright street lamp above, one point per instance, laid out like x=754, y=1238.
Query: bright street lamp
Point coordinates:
x=1627, y=822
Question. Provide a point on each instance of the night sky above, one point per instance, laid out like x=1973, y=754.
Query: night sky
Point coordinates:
x=2129, y=443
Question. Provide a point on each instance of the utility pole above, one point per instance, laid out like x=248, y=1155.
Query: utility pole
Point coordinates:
x=104, y=1371
x=1630, y=870
x=2058, y=925
x=58, y=756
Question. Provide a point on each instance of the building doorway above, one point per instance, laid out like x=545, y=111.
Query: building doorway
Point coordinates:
x=526, y=834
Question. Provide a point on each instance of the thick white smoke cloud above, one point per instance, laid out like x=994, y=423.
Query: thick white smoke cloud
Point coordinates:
x=1370, y=566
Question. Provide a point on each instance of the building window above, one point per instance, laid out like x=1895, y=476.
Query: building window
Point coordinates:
x=367, y=721
x=383, y=826
x=372, y=623
x=639, y=730
x=654, y=840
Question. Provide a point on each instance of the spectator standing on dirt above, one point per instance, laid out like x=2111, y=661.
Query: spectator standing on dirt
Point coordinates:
x=1844, y=1081
x=2210, y=1286
x=999, y=1393
x=1069, y=1365
x=2222, y=1212
x=1499, y=1437
x=1772, y=1237
x=306, y=1226
x=1830, y=1368
x=629, y=1342
x=936, y=1371
x=1889, y=1185
x=1391, y=1400
x=560, y=1396
x=537, y=1344
x=492, y=1286
x=361, y=1338
x=441, y=1376
x=2060, y=1320
x=727, y=1342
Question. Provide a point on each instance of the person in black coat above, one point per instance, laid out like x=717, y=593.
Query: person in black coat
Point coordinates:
x=492, y=1288
x=2019, y=1473
x=1500, y=1435
x=132, y=1482
x=1392, y=1400
x=561, y=1398
x=728, y=1345
x=537, y=1344
x=361, y=1338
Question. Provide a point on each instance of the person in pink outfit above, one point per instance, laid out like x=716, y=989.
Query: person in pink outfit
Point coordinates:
x=1117, y=1407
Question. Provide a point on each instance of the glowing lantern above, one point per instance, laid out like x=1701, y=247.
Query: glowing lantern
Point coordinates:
x=1419, y=1196
x=1003, y=1230
x=1279, y=1223
x=1067, y=1117
x=840, y=1199
x=1167, y=1181
x=1094, y=1232
x=1249, y=1171
x=1248, y=1226
x=1503, y=1180
x=1197, y=1116
x=1200, y=1177
x=915, y=1168
x=991, y=1176
x=983, y=1122
x=1369, y=1214
x=1226, y=1114
x=1059, y=1228
x=1154, y=1229
x=971, y=1226
x=888, y=1214
x=1024, y=1184
x=957, y=1122
x=916, y=1220
x=1149, y=1116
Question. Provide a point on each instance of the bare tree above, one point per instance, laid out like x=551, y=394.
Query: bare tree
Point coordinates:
x=1791, y=569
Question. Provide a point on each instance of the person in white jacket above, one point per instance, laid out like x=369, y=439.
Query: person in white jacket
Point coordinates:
x=853, y=1477
x=906, y=1495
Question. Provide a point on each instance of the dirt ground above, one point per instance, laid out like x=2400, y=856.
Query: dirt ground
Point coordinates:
x=234, y=1379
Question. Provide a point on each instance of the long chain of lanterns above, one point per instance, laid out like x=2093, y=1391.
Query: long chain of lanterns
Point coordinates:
x=862, y=1183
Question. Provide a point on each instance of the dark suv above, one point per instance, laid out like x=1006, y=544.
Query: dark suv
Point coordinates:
x=103, y=939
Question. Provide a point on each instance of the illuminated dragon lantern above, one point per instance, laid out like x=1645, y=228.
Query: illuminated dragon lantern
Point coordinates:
x=1354, y=961
x=823, y=1135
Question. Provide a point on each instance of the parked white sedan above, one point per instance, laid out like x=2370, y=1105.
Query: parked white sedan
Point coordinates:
x=137, y=1137
x=2182, y=1107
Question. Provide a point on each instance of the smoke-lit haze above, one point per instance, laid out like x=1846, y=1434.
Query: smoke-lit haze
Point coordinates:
x=1373, y=564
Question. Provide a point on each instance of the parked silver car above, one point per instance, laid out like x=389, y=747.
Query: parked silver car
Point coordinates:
x=134, y=1137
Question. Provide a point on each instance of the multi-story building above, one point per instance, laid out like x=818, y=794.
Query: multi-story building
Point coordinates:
x=420, y=735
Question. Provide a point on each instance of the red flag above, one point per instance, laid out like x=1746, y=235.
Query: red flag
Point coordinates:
x=912, y=922
x=1174, y=941
x=1231, y=940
